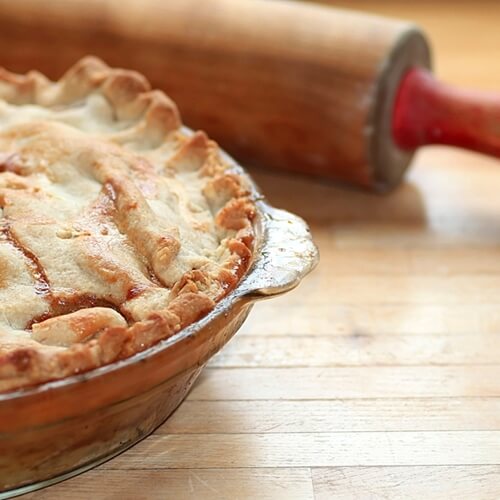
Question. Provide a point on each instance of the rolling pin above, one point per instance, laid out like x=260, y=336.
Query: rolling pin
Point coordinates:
x=290, y=85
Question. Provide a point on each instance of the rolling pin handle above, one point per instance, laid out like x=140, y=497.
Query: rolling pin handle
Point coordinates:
x=427, y=111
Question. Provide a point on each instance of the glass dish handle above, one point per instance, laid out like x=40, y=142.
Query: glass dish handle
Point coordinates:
x=287, y=254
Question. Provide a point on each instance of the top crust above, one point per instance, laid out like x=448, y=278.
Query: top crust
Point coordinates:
x=117, y=229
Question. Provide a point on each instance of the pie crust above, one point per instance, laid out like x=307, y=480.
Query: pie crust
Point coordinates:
x=118, y=227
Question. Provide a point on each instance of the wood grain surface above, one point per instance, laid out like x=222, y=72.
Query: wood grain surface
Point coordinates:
x=379, y=377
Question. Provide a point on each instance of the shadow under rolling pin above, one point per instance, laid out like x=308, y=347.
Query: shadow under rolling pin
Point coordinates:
x=302, y=87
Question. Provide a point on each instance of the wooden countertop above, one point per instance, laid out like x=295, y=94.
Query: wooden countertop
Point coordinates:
x=380, y=375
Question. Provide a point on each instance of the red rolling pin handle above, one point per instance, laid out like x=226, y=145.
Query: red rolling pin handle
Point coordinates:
x=429, y=112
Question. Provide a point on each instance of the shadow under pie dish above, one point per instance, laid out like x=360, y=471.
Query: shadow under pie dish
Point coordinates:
x=131, y=250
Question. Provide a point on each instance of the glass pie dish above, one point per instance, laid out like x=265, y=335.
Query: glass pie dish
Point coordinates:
x=58, y=429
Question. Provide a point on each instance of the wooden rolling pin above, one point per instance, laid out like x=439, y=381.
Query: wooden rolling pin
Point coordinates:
x=284, y=84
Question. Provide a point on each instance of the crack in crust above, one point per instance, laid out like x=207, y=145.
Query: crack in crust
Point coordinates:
x=134, y=228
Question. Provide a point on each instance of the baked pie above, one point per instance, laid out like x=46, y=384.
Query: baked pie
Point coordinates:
x=118, y=227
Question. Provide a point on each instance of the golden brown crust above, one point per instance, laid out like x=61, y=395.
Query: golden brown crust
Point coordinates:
x=160, y=229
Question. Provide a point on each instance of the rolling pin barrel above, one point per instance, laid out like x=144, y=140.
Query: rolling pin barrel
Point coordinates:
x=282, y=84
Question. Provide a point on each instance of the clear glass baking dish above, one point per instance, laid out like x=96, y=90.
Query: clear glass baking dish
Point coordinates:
x=58, y=429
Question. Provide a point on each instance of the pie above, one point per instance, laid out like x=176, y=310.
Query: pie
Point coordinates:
x=118, y=226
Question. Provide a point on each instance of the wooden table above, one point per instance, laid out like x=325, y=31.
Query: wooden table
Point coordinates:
x=380, y=375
